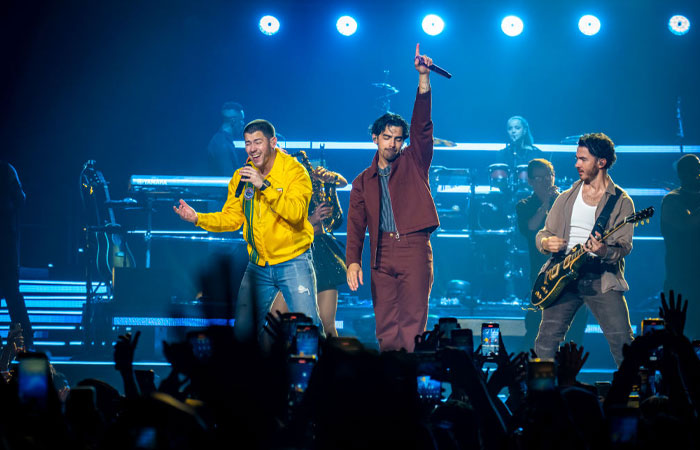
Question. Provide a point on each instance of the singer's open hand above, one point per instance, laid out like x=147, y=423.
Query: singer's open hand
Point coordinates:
x=186, y=212
x=250, y=174
x=422, y=61
x=354, y=276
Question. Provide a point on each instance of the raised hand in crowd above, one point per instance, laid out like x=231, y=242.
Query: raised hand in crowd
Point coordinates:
x=570, y=359
x=466, y=377
x=181, y=360
x=510, y=372
x=124, y=360
x=673, y=313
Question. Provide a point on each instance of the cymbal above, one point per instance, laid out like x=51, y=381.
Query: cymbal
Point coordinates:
x=387, y=87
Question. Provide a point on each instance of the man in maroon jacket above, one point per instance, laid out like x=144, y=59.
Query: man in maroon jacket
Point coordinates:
x=392, y=199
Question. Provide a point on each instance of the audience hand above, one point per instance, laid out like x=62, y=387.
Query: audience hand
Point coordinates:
x=673, y=313
x=124, y=351
x=570, y=359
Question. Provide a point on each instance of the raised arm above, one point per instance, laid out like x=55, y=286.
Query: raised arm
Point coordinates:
x=421, y=132
x=230, y=218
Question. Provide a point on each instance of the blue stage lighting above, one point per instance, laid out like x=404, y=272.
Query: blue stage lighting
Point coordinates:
x=269, y=25
x=679, y=25
x=346, y=26
x=433, y=24
x=589, y=25
x=512, y=25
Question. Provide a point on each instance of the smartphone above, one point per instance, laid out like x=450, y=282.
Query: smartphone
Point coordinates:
x=490, y=339
x=541, y=375
x=33, y=379
x=652, y=323
x=648, y=325
x=429, y=388
x=306, y=339
x=463, y=339
x=300, y=369
x=201, y=345
x=696, y=346
x=290, y=322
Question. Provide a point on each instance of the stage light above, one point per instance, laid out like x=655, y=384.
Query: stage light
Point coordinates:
x=679, y=25
x=433, y=24
x=512, y=25
x=269, y=25
x=346, y=26
x=589, y=25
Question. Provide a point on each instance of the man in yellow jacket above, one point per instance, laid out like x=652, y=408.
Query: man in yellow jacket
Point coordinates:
x=273, y=210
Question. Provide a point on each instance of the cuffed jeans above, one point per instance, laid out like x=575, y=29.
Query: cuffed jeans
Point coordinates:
x=295, y=278
x=609, y=309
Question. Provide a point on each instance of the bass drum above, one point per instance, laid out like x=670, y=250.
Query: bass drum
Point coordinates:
x=499, y=177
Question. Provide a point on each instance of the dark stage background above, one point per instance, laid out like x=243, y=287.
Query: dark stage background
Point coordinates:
x=137, y=86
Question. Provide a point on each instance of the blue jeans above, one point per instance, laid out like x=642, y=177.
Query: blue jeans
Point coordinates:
x=295, y=278
x=609, y=309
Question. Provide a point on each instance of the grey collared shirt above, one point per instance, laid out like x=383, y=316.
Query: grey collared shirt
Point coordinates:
x=619, y=244
x=386, y=218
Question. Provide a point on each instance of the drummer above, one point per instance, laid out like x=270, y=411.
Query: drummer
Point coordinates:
x=521, y=150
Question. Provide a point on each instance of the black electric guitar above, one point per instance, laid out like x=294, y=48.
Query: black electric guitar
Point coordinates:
x=112, y=250
x=565, y=268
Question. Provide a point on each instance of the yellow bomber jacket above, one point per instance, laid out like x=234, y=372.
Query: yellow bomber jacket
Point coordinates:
x=275, y=221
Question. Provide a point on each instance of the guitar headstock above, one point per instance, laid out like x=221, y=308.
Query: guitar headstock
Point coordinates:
x=639, y=217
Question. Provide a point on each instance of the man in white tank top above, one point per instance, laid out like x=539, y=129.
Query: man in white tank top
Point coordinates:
x=601, y=282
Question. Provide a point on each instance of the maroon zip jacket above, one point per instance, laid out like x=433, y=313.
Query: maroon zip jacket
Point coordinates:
x=414, y=209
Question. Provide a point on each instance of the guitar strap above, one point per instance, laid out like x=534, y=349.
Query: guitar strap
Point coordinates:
x=602, y=221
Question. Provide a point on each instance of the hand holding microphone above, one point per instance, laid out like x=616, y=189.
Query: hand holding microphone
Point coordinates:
x=249, y=175
x=424, y=64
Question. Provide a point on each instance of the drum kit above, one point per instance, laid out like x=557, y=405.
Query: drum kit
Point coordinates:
x=496, y=254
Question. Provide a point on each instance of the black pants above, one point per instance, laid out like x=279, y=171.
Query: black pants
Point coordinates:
x=9, y=290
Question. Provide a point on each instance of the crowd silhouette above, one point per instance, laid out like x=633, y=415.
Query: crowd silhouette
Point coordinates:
x=223, y=393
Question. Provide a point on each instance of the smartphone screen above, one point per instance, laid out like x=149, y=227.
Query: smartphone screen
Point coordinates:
x=429, y=389
x=201, y=345
x=307, y=340
x=696, y=346
x=651, y=324
x=33, y=379
x=300, y=369
x=490, y=339
x=290, y=322
x=463, y=339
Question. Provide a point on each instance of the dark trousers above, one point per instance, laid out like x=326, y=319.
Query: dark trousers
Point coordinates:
x=401, y=285
x=609, y=309
x=9, y=290
x=532, y=325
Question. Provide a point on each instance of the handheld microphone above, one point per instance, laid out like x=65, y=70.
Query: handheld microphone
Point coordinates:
x=241, y=183
x=437, y=69
x=440, y=71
